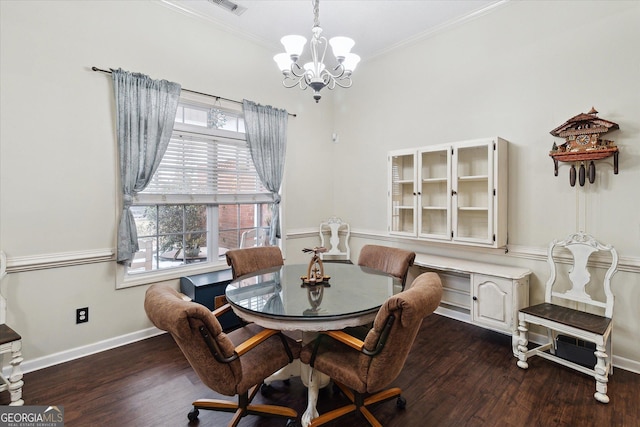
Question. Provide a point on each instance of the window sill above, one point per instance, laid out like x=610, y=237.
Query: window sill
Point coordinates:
x=128, y=281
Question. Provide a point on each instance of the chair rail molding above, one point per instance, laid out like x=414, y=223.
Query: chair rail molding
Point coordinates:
x=537, y=253
x=61, y=259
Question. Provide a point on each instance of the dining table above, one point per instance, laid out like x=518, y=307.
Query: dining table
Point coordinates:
x=282, y=298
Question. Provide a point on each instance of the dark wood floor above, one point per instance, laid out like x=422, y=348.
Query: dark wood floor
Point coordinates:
x=456, y=375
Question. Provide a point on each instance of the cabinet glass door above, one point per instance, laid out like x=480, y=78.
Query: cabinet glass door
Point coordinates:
x=434, y=193
x=472, y=191
x=403, y=194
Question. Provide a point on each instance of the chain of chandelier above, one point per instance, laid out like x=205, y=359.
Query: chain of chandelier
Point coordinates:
x=315, y=74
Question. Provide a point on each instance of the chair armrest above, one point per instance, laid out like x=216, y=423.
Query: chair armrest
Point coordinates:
x=254, y=341
x=221, y=310
x=345, y=338
x=339, y=336
x=183, y=297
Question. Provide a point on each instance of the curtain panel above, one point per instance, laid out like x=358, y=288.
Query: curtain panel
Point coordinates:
x=266, y=132
x=145, y=114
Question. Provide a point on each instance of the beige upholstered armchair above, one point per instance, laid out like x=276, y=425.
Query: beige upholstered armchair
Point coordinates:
x=363, y=368
x=393, y=261
x=248, y=260
x=231, y=364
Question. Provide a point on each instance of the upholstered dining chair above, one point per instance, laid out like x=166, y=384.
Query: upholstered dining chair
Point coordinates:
x=393, y=261
x=363, y=368
x=247, y=260
x=231, y=364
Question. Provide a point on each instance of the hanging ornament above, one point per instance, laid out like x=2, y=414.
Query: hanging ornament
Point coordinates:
x=216, y=118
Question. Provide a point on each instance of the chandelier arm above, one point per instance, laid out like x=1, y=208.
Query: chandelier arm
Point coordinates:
x=347, y=82
x=340, y=75
x=290, y=81
x=289, y=85
x=322, y=41
x=297, y=70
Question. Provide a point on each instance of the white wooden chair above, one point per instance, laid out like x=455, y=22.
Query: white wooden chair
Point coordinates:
x=255, y=237
x=339, y=249
x=143, y=259
x=580, y=316
x=10, y=343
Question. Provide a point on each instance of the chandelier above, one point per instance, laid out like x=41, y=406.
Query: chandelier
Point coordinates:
x=315, y=74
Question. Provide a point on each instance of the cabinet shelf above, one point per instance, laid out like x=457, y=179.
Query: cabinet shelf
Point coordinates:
x=473, y=208
x=434, y=208
x=473, y=178
x=455, y=304
x=434, y=180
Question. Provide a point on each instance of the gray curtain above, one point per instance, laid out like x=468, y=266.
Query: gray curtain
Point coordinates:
x=145, y=113
x=266, y=131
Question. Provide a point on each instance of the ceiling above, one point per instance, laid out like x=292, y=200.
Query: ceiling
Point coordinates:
x=377, y=26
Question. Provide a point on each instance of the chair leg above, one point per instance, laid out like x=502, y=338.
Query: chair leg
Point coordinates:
x=601, y=374
x=242, y=408
x=359, y=403
x=14, y=380
x=522, y=345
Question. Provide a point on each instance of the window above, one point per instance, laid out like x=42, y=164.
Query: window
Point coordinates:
x=204, y=199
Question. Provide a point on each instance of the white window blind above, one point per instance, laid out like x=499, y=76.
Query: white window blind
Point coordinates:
x=205, y=169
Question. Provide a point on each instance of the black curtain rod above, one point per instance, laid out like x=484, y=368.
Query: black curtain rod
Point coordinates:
x=191, y=91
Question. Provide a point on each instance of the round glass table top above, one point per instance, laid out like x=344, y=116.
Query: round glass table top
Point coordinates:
x=279, y=293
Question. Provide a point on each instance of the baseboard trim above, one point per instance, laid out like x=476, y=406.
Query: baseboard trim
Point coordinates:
x=79, y=352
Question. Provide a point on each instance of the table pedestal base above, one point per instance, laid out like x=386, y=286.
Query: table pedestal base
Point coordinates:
x=311, y=378
x=315, y=381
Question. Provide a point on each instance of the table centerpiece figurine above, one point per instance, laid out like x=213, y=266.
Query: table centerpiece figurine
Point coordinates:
x=315, y=272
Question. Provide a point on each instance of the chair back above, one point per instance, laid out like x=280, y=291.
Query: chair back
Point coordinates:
x=405, y=311
x=581, y=246
x=393, y=261
x=255, y=237
x=339, y=248
x=187, y=321
x=248, y=260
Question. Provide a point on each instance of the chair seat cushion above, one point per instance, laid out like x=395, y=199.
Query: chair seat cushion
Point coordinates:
x=265, y=359
x=339, y=362
x=570, y=317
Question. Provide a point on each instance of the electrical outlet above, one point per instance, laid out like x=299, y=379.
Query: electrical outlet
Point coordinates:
x=82, y=315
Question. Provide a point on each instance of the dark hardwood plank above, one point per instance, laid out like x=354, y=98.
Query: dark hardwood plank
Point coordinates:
x=456, y=375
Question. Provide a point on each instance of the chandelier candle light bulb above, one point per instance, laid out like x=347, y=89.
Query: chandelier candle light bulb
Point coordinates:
x=315, y=74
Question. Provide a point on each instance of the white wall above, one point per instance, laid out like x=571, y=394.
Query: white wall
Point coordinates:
x=517, y=72
x=58, y=186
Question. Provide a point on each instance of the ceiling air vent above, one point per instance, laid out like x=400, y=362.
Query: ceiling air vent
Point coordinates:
x=229, y=6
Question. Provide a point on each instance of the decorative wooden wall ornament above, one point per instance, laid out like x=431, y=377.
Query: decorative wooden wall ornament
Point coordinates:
x=583, y=144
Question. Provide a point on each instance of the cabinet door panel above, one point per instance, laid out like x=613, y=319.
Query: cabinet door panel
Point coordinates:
x=472, y=201
x=434, y=195
x=492, y=301
x=402, y=193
